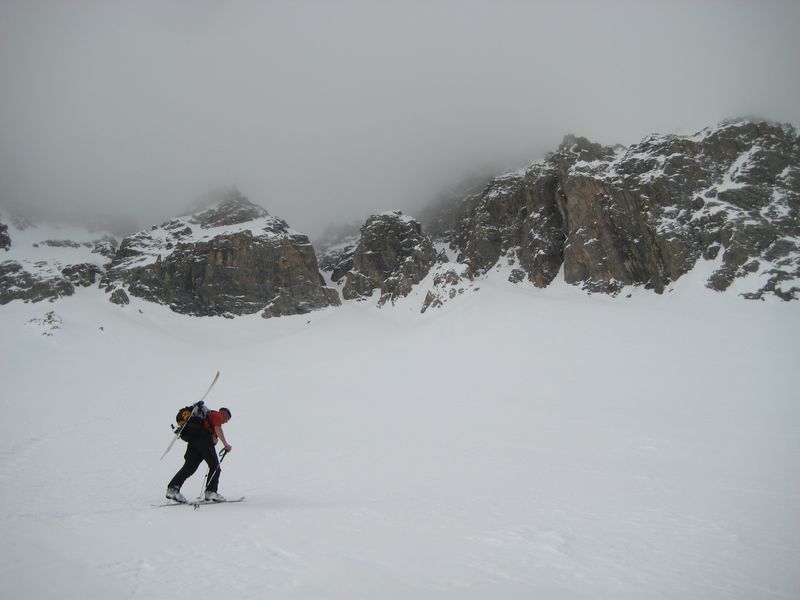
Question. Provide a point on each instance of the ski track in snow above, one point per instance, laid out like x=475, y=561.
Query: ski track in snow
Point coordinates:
x=516, y=443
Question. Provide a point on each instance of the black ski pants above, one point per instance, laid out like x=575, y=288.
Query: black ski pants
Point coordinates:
x=198, y=449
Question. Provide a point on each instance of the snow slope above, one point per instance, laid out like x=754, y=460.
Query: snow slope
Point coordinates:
x=517, y=443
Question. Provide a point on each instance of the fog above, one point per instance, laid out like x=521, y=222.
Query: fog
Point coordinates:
x=329, y=111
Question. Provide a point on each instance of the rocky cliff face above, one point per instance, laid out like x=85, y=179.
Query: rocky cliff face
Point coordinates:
x=338, y=244
x=516, y=216
x=644, y=215
x=392, y=255
x=231, y=259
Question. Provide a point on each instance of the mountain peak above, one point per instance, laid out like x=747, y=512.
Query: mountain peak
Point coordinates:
x=233, y=209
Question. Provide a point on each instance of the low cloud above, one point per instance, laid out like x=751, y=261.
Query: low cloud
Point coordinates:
x=326, y=112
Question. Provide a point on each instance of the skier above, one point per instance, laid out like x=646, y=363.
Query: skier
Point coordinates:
x=201, y=437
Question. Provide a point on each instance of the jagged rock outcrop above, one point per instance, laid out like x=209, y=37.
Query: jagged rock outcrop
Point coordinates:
x=649, y=212
x=18, y=283
x=118, y=296
x=5, y=239
x=516, y=213
x=392, y=255
x=83, y=274
x=337, y=246
x=231, y=259
x=644, y=215
x=338, y=261
x=447, y=283
x=105, y=246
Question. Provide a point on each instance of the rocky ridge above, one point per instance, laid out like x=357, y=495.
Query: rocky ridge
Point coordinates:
x=392, y=255
x=645, y=214
x=230, y=259
x=602, y=217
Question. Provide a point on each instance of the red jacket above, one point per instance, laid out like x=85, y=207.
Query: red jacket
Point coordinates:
x=212, y=420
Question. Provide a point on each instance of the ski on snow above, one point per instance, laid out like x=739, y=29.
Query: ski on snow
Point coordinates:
x=196, y=503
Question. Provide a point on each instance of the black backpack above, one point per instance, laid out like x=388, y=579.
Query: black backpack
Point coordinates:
x=189, y=419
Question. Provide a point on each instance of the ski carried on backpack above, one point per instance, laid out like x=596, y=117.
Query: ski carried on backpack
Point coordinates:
x=191, y=409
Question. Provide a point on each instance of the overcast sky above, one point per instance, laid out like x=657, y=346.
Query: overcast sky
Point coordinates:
x=329, y=111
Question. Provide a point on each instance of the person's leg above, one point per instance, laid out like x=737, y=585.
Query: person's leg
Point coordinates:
x=192, y=460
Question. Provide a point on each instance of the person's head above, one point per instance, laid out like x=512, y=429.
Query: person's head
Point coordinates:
x=225, y=412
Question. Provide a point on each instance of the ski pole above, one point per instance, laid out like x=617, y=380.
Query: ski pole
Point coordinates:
x=207, y=480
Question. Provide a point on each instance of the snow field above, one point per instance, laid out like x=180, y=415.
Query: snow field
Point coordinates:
x=515, y=443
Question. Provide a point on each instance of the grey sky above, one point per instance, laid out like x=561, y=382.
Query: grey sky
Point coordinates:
x=327, y=111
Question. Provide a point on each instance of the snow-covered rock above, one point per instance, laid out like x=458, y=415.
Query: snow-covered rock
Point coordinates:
x=392, y=256
x=230, y=259
x=47, y=262
x=515, y=213
x=646, y=214
x=336, y=247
